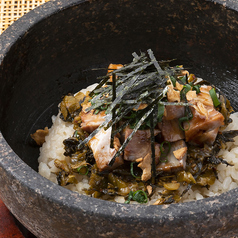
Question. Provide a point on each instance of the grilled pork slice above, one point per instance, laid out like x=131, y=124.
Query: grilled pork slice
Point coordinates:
x=174, y=159
x=100, y=145
x=145, y=165
x=140, y=144
x=204, y=125
x=173, y=95
x=173, y=112
x=204, y=96
x=91, y=121
x=206, y=137
x=171, y=130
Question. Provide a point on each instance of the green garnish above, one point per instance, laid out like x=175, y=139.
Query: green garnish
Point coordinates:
x=173, y=80
x=132, y=171
x=184, y=119
x=160, y=114
x=83, y=167
x=96, y=111
x=76, y=134
x=138, y=196
x=216, y=101
x=184, y=79
x=188, y=116
x=183, y=92
x=196, y=88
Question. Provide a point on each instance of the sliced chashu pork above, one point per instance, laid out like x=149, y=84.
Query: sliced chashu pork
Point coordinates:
x=204, y=96
x=173, y=95
x=173, y=111
x=140, y=144
x=206, y=121
x=102, y=152
x=206, y=137
x=203, y=127
x=174, y=159
x=139, y=150
x=171, y=130
x=91, y=121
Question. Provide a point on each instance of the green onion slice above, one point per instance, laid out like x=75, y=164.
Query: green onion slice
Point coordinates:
x=161, y=146
x=130, y=196
x=188, y=116
x=76, y=134
x=184, y=79
x=96, y=111
x=82, y=166
x=183, y=119
x=160, y=114
x=197, y=88
x=216, y=101
x=138, y=196
x=173, y=80
x=183, y=92
x=132, y=171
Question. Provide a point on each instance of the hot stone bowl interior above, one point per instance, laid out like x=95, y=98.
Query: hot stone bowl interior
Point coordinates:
x=52, y=51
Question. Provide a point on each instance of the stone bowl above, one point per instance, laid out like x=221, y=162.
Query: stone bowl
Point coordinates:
x=51, y=51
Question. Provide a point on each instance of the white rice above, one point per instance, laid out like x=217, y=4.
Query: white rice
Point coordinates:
x=53, y=149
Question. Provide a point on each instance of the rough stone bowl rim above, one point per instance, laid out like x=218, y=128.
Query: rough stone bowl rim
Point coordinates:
x=73, y=199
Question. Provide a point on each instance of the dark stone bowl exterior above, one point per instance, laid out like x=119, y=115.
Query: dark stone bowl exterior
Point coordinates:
x=51, y=51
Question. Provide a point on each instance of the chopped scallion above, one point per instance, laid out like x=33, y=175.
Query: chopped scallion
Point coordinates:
x=96, y=111
x=83, y=167
x=173, y=80
x=197, y=88
x=183, y=79
x=132, y=171
x=139, y=196
x=75, y=134
x=181, y=120
x=160, y=114
x=216, y=101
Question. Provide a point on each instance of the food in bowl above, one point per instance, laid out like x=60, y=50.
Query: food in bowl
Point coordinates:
x=147, y=133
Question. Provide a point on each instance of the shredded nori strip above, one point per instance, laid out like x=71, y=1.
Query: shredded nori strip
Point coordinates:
x=134, y=81
x=114, y=109
x=140, y=122
x=152, y=139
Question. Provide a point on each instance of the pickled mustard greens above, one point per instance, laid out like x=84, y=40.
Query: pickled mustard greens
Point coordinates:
x=146, y=128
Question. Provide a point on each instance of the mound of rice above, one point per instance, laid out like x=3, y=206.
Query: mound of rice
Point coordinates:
x=53, y=148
